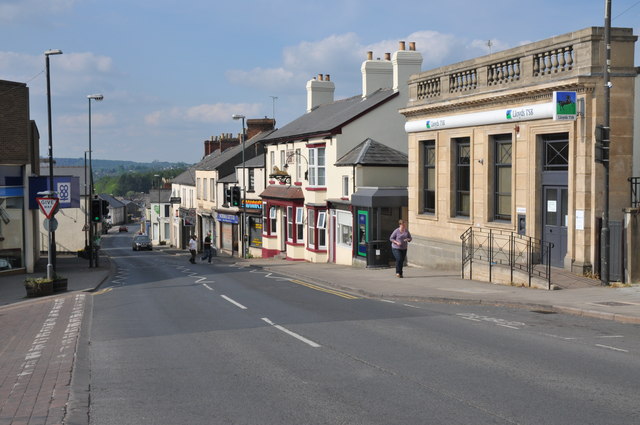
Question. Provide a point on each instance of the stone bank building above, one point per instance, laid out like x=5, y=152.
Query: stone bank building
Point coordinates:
x=488, y=150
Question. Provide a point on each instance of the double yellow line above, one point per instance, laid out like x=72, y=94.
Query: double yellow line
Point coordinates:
x=328, y=291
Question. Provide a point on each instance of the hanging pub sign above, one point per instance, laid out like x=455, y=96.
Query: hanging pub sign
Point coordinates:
x=564, y=105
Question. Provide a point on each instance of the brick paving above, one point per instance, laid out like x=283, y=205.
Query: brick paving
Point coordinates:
x=36, y=358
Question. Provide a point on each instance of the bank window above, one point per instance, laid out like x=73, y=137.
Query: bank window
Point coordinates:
x=317, y=167
x=299, y=224
x=556, y=152
x=502, y=177
x=429, y=177
x=463, y=176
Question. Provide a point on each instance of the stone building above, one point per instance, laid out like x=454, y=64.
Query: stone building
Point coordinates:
x=490, y=148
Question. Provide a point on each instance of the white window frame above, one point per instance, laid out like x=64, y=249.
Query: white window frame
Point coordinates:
x=345, y=186
x=273, y=223
x=299, y=224
x=345, y=229
x=322, y=227
x=205, y=192
x=290, y=224
x=198, y=187
x=315, y=168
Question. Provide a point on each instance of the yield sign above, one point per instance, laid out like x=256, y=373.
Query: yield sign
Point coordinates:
x=47, y=205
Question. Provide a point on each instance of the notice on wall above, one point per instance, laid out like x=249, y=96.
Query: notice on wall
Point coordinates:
x=552, y=206
x=579, y=219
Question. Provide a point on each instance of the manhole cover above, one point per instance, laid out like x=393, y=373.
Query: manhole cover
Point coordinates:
x=613, y=303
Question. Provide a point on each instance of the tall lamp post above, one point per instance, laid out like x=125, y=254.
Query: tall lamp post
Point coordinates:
x=159, y=180
x=244, y=186
x=97, y=97
x=52, y=236
x=605, y=232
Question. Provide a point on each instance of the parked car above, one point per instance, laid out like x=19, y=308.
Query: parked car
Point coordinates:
x=141, y=242
x=123, y=229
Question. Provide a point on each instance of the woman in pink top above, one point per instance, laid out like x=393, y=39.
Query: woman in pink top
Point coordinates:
x=400, y=239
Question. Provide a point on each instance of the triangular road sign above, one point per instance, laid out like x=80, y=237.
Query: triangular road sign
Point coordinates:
x=47, y=205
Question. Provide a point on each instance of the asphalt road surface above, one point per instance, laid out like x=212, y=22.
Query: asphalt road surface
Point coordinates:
x=175, y=343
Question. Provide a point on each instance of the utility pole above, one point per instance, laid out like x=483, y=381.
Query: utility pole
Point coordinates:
x=605, y=233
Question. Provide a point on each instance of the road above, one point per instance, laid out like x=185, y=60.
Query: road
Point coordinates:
x=223, y=343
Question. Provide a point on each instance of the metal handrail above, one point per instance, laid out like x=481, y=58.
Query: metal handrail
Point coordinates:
x=635, y=191
x=500, y=248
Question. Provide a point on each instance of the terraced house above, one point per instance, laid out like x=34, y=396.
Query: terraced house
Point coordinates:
x=329, y=197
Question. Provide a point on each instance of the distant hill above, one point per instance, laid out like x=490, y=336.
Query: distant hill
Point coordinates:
x=106, y=167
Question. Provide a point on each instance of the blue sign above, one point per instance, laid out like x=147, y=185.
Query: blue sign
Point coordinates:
x=66, y=187
x=228, y=218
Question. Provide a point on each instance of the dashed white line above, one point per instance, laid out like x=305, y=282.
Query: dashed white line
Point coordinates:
x=237, y=304
x=207, y=286
x=293, y=334
x=612, y=348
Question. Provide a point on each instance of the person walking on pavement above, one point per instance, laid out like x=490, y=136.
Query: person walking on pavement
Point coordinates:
x=207, y=247
x=400, y=239
x=193, y=247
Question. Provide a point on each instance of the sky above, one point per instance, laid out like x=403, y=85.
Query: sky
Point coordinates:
x=173, y=72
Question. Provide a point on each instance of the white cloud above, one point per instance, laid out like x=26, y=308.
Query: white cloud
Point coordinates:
x=216, y=113
x=81, y=121
x=20, y=10
x=261, y=77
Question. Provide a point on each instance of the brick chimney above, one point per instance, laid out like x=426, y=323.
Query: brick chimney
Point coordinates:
x=376, y=74
x=320, y=91
x=226, y=141
x=208, y=146
x=258, y=125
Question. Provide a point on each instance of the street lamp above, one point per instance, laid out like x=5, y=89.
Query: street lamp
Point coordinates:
x=52, y=235
x=244, y=185
x=97, y=97
x=159, y=180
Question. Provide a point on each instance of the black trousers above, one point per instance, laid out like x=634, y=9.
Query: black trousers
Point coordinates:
x=399, y=255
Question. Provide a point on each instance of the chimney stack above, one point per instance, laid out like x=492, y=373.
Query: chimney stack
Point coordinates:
x=405, y=64
x=319, y=92
x=258, y=125
x=376, y=74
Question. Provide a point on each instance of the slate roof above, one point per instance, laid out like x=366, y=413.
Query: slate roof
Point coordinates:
x=211, y=162
x=373, y=153
x=256, y=162
x=113, y=202
x=329, y=118
x=187, y=178
x=231, y=178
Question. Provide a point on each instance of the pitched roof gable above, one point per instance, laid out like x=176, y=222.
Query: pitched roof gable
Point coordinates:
x=373, y=153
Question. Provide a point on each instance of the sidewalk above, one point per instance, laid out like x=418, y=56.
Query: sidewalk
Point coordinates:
x=610, y=303
x=40, y=341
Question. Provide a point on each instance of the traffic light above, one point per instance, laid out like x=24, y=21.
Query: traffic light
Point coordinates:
x=227, y=196
x=104, y=208
x=96, y=210
x=601, y=135
x=235, y=196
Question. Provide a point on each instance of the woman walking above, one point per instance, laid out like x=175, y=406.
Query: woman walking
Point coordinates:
x=400, y=239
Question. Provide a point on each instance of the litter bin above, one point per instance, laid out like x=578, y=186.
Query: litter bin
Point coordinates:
x=378, y=254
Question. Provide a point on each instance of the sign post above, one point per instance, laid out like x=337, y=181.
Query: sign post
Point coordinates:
x=48, y=206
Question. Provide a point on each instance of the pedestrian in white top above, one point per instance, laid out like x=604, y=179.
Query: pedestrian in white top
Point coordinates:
x=193, y=248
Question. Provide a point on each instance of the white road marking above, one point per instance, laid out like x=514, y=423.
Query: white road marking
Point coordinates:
x=388, y=301
x=612, y=348
x=237, y=304
x=207, y=286
x=293, y=334
x=412, y=306
x=499, y=322
x=611, y=336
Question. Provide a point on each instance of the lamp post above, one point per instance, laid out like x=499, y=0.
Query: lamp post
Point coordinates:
x=87, y=203
x=605, y=231
x=52, y=235
x=244, y=186
x=159, y=179
x=97, y=97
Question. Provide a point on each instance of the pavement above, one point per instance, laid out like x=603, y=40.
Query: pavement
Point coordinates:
x=44, y=369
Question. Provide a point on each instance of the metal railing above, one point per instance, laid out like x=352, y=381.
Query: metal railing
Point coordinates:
x=635, y=191
x=499, y=248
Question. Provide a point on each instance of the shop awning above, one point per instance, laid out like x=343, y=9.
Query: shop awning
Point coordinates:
x=282, y=192
x=374, y=197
